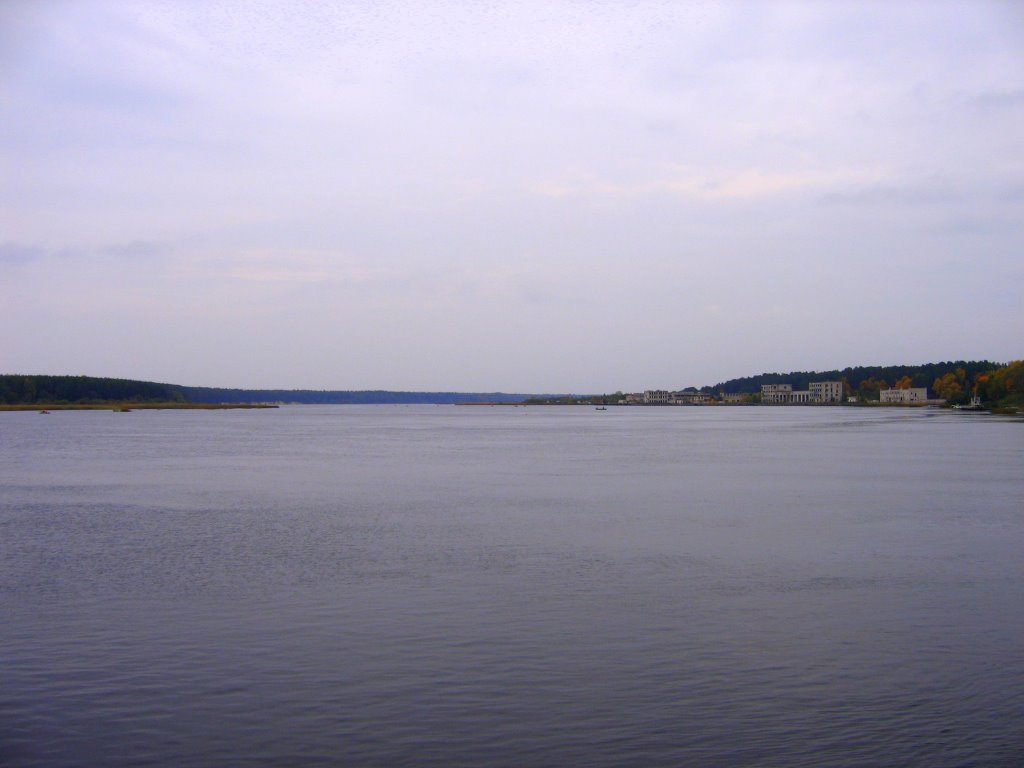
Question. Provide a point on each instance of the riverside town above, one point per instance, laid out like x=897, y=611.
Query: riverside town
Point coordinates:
x=817, y=393
x=970, y=385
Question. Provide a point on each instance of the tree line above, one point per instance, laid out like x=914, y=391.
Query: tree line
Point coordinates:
x=955, y=381
x=20, y=390
x=27, y=390
x=1002, y=387
x=863, y=380
x=344, y=397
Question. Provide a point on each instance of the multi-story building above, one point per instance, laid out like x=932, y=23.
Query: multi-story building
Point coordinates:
x=776, y=393
x=817, y=392
x=690, y=397
x=826, y=391
x=656, y=397
x=915, y=395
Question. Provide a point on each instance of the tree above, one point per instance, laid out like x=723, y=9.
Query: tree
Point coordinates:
x=947, y=386
x=870, y=387
x=1004, y=384
x=980, y=382
x=904, y=383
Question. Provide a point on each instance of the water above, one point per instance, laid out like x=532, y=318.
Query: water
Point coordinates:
x=347, y=585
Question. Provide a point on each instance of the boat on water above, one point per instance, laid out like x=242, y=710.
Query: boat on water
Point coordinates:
x=974, y=405
x=600, y=408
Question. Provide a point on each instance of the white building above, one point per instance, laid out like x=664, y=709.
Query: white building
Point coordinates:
x=656, y=397
x=776, y=393
x=817, y=392
x=826, y=391
x=916, y=395
x=688, y=398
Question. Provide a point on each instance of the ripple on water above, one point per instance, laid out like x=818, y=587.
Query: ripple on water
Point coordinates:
x=389, y=587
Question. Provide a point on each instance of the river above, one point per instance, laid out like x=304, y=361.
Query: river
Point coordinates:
x=499, y=586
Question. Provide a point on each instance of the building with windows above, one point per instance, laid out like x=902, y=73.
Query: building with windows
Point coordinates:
x=774, y=394
x=817, y=392
x=656, y=397
x=826, y=391
x=689, y=397
x=915, y=395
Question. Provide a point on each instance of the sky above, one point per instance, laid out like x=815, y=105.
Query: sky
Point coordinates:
x=519, y=196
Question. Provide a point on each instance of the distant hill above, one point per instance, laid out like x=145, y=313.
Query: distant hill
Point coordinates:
x=18, y=390
x=920, y=375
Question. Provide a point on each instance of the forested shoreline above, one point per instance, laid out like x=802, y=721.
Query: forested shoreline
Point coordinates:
x=1000, y=385
x=54, y=390
x=875, y=375
x=345, y=397
x=955, y=381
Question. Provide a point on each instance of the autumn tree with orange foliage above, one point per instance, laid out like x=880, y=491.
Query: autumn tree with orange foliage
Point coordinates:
x=1004, y=386
x=948, y=387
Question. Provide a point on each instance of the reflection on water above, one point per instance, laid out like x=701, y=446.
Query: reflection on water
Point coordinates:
x=509, y=586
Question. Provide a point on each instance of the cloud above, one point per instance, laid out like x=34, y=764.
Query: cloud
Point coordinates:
x=24, y=253
x=136, y=249
x=708, y=185
x=15, y=254
x=886, y=195
x=760, y=184
x=1013, y=193
x=445, y=171
x=1000, y=100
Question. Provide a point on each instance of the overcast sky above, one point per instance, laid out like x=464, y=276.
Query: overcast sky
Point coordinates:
x=525, y=196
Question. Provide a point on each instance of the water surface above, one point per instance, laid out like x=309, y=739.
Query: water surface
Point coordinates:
x=440, y=585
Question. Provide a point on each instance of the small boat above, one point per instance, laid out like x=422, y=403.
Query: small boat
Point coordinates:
x=44, y=411
x=974, y=405
x=600, y=408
